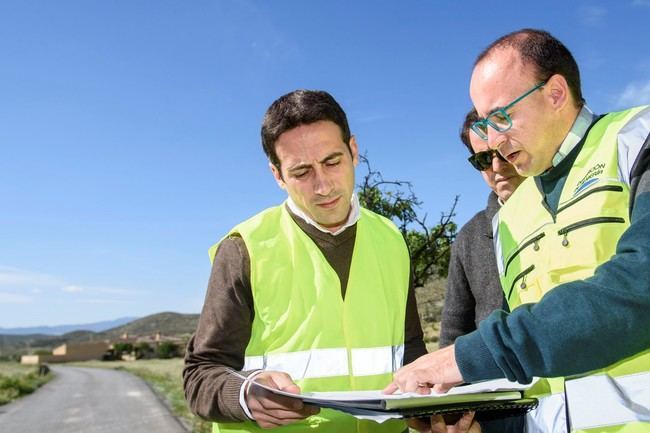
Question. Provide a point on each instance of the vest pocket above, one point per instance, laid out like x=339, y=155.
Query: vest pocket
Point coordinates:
x=533, y=241
x=520, y=281
x=584, y=223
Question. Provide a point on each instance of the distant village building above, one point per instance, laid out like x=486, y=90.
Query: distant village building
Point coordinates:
x=98, y=350
x=70, y=352
x=148, y=346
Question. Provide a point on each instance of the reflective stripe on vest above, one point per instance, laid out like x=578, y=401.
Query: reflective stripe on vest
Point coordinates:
x=541, y=251
x=304, y=327
x=316, y=363
x=600, y=401
x=549, y=416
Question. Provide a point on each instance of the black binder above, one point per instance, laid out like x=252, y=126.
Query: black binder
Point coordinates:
x=500, y=403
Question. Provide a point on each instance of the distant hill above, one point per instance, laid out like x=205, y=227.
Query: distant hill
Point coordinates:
x=167, y=323
x=10, y=344
x=63, y=329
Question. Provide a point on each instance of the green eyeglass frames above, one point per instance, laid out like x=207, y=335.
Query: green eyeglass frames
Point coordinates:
x=499, y=120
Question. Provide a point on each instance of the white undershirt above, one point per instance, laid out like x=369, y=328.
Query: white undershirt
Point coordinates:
x=353, y=217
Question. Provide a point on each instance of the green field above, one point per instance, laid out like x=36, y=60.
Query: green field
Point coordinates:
x=17, y=380
x=9, y=368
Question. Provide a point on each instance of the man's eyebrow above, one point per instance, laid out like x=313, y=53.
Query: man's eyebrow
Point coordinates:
x=299, y=167
x=331, y=156
x=493, y=110
x=302, y=166
x=322, y=161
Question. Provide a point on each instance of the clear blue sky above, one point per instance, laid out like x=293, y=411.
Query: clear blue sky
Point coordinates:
x=129, y=130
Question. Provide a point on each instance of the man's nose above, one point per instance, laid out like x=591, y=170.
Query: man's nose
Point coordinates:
x=323, y=185
x=495, y=138
x=498, y=164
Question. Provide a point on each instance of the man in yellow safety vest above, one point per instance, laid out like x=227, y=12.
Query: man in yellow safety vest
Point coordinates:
x=572, y=243
x=311, y=295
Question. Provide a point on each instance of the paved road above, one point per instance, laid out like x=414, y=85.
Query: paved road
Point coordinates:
x=89, y=400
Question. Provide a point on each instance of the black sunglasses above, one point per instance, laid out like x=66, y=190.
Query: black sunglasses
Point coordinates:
x=483, y=160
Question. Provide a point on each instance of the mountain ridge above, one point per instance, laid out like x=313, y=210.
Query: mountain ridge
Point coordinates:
x=64, y=329
x=166, y=323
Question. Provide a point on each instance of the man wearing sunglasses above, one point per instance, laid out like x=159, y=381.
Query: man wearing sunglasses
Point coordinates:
x=473, y=288
x=573, y=247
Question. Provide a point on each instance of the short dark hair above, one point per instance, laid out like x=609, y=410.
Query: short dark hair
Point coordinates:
x=545, y=53
x=465, y=130
x=300, y=107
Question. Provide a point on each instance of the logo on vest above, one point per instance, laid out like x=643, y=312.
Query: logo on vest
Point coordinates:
x=589, y=178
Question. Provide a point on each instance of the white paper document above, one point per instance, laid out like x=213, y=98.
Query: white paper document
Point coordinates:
x=378, y=406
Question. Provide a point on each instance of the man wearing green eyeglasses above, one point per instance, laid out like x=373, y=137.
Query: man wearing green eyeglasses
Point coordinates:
x=573, y=246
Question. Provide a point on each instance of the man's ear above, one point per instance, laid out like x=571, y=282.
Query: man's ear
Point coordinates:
x=354, y=150
x=277, y=175
x=559, y=94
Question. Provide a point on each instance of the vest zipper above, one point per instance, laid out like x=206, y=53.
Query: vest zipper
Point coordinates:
x=588, y=222
x=522, y=275
x=616, y=188
x=534, y=241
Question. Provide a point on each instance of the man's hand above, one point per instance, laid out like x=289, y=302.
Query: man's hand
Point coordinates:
x=270, y=410
x=437, y=424
x=437, y=370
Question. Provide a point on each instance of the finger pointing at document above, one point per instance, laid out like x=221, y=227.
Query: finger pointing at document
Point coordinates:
x=437, y=370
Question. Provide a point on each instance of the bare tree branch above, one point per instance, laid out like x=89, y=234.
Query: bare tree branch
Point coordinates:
x=395, y=199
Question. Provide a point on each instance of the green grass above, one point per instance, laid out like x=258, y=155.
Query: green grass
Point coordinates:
x=17, y=380
x=164, y=376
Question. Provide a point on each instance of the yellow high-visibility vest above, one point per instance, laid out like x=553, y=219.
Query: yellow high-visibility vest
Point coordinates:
x=303, y=326
x=537, y=251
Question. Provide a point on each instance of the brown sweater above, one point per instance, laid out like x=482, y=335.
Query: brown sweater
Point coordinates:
x=224, y=328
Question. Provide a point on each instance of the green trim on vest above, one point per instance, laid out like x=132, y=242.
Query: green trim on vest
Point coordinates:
x=298, y=305
x=592, y=215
